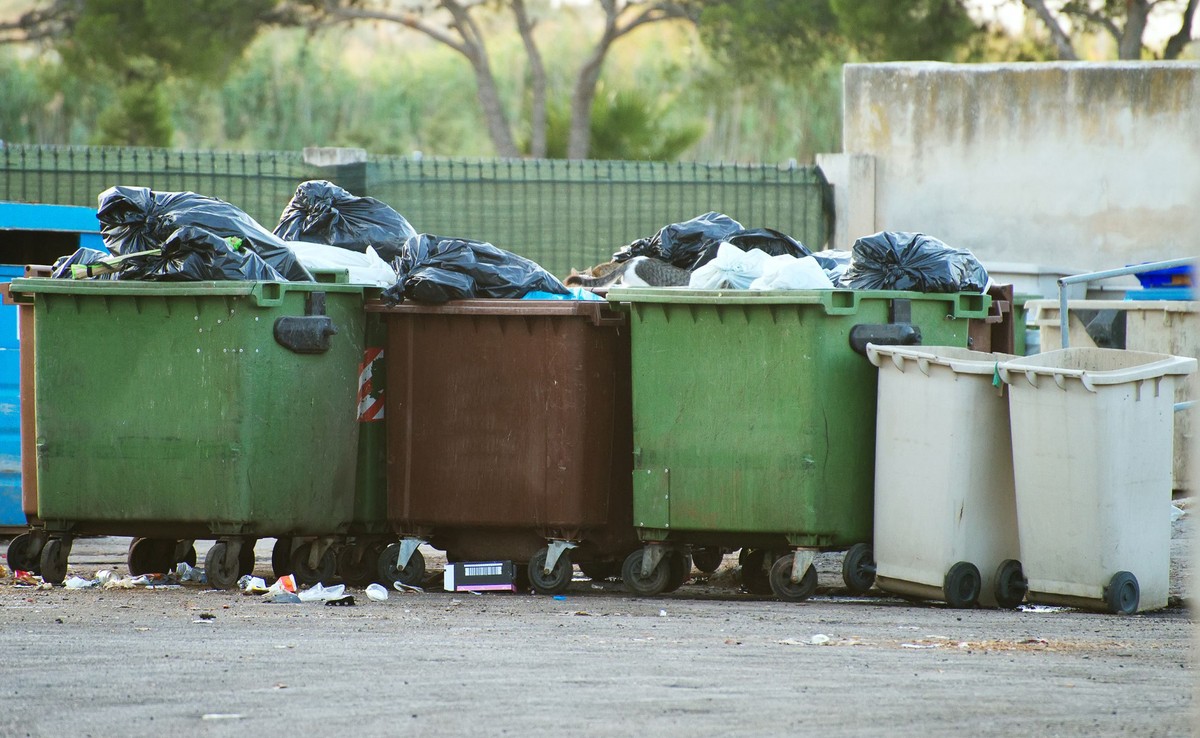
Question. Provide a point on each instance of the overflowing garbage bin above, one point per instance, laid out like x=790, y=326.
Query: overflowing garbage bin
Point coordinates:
x=508, y=436
x=172, y=412
x=1092, y=442
x=945, y=507
x=754, y=424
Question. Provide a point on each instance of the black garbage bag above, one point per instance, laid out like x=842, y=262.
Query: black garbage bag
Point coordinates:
x=435, y=269
x=682, y=244
x=768, y=240
x=82, y=257
x=136, y=219
x=322, y=212
x=912, y=261
x=194, y=254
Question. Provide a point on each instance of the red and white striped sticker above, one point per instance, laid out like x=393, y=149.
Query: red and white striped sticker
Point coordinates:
x=370, y=399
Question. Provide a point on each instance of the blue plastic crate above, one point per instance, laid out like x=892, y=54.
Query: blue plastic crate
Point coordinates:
x=1162, y=293
x=1180, y=276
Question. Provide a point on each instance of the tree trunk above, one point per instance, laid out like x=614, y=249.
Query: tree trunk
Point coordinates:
x=1177, y=43
x=1129, y=45
x=537, y=83
x=1062, y=41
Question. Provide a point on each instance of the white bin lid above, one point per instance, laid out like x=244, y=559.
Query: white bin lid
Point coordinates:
x=1095, y=366
x=960, y=360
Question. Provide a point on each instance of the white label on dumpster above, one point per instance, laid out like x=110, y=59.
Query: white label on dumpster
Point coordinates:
x=370, y=399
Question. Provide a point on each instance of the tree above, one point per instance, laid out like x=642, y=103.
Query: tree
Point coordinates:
x=1124, y=20
x=457, y=24
x=784, y=36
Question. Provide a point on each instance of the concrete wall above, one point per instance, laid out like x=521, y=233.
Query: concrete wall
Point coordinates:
x=1088, y=166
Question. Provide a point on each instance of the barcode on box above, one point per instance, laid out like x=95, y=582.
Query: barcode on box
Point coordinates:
x=484, y=570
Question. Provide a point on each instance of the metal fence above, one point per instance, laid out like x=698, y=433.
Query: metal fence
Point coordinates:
x=562, y=214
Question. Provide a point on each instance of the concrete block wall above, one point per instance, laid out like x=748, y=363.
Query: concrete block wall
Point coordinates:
x=1082, y=165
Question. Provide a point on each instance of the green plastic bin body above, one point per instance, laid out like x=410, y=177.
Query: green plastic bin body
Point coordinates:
x=754, y=419
x=170, y=410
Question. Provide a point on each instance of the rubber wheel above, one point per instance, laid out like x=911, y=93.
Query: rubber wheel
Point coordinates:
x=355, y=565
x=1010, y=584
x=281, y=557
x=782, y=584
x=246, y=557
x=858, y=568
x=962, y=584
x=707, y=558
x=1122, y=594
x=412, y=575
x=598, y=571
x=305, y=574
x=755, y=577
x=680, y=567
x=647, y=586
x=219, y=575
x=150, y=556
x=557, y=581
x=54, y=561
x=189, y=557
x=22, y=553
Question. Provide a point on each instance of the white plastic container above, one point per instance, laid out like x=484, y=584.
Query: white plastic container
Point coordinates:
x=1092, y=437
x=945, y=509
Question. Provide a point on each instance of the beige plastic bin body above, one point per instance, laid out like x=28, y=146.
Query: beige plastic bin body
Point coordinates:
x=1156, y=326
x=943, y=470
x=1092, y=437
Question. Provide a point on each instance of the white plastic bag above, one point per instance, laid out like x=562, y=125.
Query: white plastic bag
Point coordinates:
x=731, y=268
x=786, y=272
x=366, y=268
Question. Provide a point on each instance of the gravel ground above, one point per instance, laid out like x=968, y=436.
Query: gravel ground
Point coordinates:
x=706, y=660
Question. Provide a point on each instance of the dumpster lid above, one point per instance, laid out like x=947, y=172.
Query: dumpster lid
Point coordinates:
x=601, y=313
x=1095, y=366
x=264, y=293
x=960, y=360
x=835, y=302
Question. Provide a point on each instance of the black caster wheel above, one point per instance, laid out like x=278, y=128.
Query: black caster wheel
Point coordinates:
x=782, y=584
x=24, y=553
x=307, y=575
x=858, y=568
x=150, y=556
x=1122, y=594
x=648, y=586
x=707, y=558
x=189, y=556
x=598, y=571
x=680, y=567
x=413, y=575
x=220, y=574
x=962, y=584
x=281, y=557
x=755, y=577
x=54, y=560
x=355, y=565
x=557, y=581
x=1010, y=584
x=246, y=557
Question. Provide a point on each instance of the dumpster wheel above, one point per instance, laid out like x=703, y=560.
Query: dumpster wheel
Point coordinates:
x=557, y=581
x=653, y=584
x=24, y=554
x=707, y=558
x=680, y=568
x=308, y=575
x=54, y=560
x=150, y=556
x=1010, y=584
x=756, y=579
x=961, y=586
x=281, y=557
x=220, y=574
x=412, y=575
x=782, y=584
x=599, y=570
x=858, y=568
x=1122, y=594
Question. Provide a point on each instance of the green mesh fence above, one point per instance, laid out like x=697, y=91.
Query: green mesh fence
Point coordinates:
x=561, y=214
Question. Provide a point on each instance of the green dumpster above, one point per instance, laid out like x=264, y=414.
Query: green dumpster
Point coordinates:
x=222, y=410
x=754, y=424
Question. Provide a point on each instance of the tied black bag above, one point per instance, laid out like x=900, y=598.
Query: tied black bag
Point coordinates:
x=322, y=212
x=912, y=261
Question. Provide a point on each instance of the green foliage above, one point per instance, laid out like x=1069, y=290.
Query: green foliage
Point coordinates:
x=885, y=30
x=626, y=124
x=138, y=116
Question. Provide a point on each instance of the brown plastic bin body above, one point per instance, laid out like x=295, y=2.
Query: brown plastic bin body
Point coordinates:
x=509, y=426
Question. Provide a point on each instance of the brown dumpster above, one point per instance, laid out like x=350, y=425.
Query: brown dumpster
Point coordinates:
x=509, y=436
